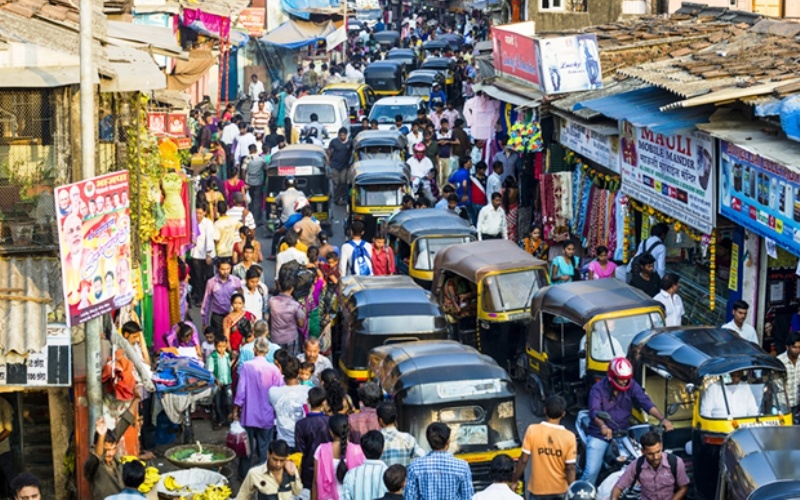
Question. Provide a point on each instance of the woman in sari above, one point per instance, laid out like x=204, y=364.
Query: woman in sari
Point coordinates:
x=534, y=244
x=232, y=322
x=511, y=206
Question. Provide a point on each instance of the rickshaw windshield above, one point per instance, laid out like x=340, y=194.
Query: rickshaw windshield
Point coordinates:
x=418, y=90
x=380, y=195
x=386, y=113
x=351, y=96
x=612, y=337
x=427, y=248
x=378, y=153
x=744, y=394
x=325, y=113
x=511, y=291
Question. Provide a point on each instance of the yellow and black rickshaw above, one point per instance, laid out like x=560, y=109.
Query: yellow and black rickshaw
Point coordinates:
x=381, y=310
x=380, y=145
x=420, y=83
x=447, y=382
x=359, y=97
x=485, y=289
x=434, y=45
x=387, y=39
x=443, y=64
x=406, y=56
x=308, y=164
x=576, y=329
x=416, y=236
x=385, y=78
x=712, y=382
x=377, y=190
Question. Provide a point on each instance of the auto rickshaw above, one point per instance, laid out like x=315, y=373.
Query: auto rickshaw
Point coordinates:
x=378, y=187
x=431, y=45
x=712, y=382
x=385, y=77
x=407, y=56
x=380, y=145
x=387, y=39
x=443, y=64
x=758, y=463
x=575, y=330
x=485, y=289
x=444, y=381
x=454, y=41
x=308, y=164
x=420, y=83
x=416, y=236
x=381, y=310
x=359, y=97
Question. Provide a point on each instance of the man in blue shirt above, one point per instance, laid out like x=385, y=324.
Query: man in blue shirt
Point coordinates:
x=132, y=477
x=437, y=95
x=461, y=179
x=438, y=475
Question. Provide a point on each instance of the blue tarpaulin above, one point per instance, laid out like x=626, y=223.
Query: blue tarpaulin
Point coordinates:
x=296, y=34
x=788, y=110
x=302, y=8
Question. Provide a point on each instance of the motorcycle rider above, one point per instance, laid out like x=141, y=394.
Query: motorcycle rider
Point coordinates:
x=285, y=201
x=616, y=395
x=314, y=130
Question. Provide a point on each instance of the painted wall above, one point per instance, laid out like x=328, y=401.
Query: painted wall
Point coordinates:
x=600, y=12
x=743, y=5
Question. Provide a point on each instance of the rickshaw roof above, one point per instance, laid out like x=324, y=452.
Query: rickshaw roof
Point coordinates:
x=424, y=76
x=691, y=353
x=435, y=44
x=388, y=34
x=370, y=138
x=405, y=53
x=374, y=296
x=767, y=457
x=378, y=164
x=580, y=301
x=297, y=152
x=438, y=62
x=452, y=39
x=476, y=259
x=388, y=172
x=345, y=86
x=392, y=65
x=428, y=222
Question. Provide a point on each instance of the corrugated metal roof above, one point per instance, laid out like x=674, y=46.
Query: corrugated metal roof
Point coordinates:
x=30, y=288
x=642, y=108
x=610, y=87
x=751, y=135
x=511, y=92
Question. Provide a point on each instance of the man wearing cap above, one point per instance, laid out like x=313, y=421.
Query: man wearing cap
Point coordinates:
x=437, y=95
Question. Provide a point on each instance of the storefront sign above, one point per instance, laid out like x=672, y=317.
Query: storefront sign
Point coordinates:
x=49, y=368
x=157, y=123
x=733, y=278
x=94, y=234
x=253, y=20
x=569, y=64
x=672, y=174
x=183, y=142
x=760, y=195
x=176, y=124
x=602, y=149
x=514, y=53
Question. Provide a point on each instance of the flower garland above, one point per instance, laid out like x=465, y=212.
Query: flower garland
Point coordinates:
x=600, y=179
x=626, y=228
x=526, y=137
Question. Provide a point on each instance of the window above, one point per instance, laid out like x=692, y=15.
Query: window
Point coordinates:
x=564, y=5
x=325, y=113
x=380, y=196
x=552, y=5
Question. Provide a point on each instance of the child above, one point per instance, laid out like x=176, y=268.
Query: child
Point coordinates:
x=186, y=345
x=208, y=344
x=219, y=363
x=306, y=372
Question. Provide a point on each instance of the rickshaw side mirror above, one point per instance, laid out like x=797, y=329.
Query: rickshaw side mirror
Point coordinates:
x=604, y=415
x=582, y=353
x=673, y=409
x=690, y=388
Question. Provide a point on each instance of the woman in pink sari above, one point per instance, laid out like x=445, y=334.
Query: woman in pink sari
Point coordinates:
x=601, y=267
x=333, y=460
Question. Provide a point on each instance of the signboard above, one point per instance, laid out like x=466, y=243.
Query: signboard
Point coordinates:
x=569, y=63
x=49, y=368
x=176, y=124
x=733, y=278
x=157, y=123
x=672, y=174
x=253, y=20
x=94, y=233
x=183, y=142
x=760, y=195
x=335, y=39
x=602, y=149
x=514, y=53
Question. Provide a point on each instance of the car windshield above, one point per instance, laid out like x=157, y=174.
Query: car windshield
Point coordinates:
x=418, y=90
x=385, y=113
x=349, y=95
x=303, y=112
x=427, y=248
x=380, y=195
x=611, y=337
x=512, y=291
x=744, y=393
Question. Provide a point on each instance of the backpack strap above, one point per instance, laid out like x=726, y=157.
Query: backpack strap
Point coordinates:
x=654, y=245
x=639, y=465
x=672, y=460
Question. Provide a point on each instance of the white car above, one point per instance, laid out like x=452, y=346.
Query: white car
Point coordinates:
x=332, y=113
x=384, y=111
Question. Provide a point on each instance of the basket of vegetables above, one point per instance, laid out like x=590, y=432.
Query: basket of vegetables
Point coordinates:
x=207, y=456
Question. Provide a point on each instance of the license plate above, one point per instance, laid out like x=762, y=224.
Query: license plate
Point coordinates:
x=321, y=215
x=768, y=423
x=284, y=171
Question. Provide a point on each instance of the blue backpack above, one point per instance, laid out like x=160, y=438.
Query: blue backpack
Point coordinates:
x=360, y=262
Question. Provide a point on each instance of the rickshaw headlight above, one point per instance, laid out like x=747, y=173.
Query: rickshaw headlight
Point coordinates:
x=505, y=409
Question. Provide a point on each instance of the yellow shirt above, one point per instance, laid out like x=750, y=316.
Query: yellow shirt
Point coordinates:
x=551, y=447
x=225, y=235
x=300, y=246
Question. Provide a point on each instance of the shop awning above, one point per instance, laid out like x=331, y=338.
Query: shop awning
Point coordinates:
x=45, y=77
x=511, y=92
x=136, y=71
x=296, y=34
x=642, y=109
x=303, y=9
x=186, y=73
x=160, y=40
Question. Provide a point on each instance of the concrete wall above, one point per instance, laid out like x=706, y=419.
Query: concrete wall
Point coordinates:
x=600, y=12
x=743, y=5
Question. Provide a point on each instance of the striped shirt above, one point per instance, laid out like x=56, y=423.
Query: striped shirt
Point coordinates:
x=364, y=482
x=439, y=476
x=791, y=379
x=399, y=447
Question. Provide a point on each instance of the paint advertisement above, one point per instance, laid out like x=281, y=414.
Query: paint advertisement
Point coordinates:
x=673, y=174
x=49, y=368
x=94, y=233
x=253, y=20
x=601, y=149
x=760, y=195
x=514, y=51
x=569, y=63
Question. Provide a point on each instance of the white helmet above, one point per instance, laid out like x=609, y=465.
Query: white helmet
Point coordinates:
x=300, y=202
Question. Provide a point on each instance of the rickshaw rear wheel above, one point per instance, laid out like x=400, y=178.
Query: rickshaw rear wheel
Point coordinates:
x=536, y=402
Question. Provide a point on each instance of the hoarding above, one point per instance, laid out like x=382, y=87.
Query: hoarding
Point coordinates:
x=600, y=148
x=569, y=64
x=514, y=51
x=49, y=368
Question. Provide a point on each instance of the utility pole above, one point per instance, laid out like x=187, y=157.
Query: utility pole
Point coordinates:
x=94, y=390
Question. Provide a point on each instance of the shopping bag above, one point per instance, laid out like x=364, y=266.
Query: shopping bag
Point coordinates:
x=237, y=440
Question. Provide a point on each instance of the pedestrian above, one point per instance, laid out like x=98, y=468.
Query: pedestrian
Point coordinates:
x=132, y=477
x=289, y=401
x=419, y=164
x=452, y=115
x=254, y=410
x=445, y=141
x=661, y=476
x=256, y=88
x=225, y=230
x=461, y=179
x=673, y=305
x=217, y=298
x=655, y=245
x=552, y=451
x=339, y=402
x=789, y=360
x=454, y=208
x=260, y=118
x=311, y=354
x=238, y=323
x=535, y=245
x=26, y=486
x=414, y=137
x=647, y=280
x=102, y=470
x=208, y=345
x=241, y=146
x=201, y=256
x=477, y=192
x=399, y=126
x=564, y=267
x=398, y=447
x=291, y=254
x=286, y=316
x=248, y=256
x=238, y=211
x=307, y=228
x=494, y=183
x=277, y=479
x=394, y=478
x=219, y=364
x=310, y=432
x=246, y=350
x=255, y=293
x=509, y=158
x=383, y=263
x=356, y=253
x=601, y=267
x=333, y=459
x=432, y=150
x=738, y=325
x=501, y=471
x=366, y=419
x=438, y=475
x=437, y=116
x=254, y=177
x=365, y=482
x=229, y=134
x=492, y=223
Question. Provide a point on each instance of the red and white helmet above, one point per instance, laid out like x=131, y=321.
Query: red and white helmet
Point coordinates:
x=301, y=202
x=419, y=148
x=620, y=370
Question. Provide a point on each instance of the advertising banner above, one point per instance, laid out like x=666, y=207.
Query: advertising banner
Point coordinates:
x=49, y=368
x=569, y=63
x=601, y=149
x=514, y=53
x=673, y=174
x=760, y=195
x=94, y=227
x=253, y=20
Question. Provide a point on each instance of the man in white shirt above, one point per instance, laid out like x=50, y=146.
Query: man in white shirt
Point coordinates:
x=492, y=223
x=288, y=400
x=240, y=213
x=290, y=254
x=673, y=305
x=501, y=472
x=495, y=180
x=741, y=402
x=346, y=264
x=419, y=164
x=256, y=88
x=789, y=360
x=230, y=132
x=414, y=137
x=243, y=142
x=738, y=325
x=202, y=254
x=656, y=245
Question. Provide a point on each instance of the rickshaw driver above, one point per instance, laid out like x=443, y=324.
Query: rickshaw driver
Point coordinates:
x=616, y=394
x=738, y=394
x=315, y=129
x=602, y=349
x=286, y=200
x=459, y=299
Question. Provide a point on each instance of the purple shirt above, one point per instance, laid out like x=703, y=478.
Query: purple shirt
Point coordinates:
x=601, y=398
x=656, y=484
x=257, y=377
x=284, y=312
x=217, y=299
